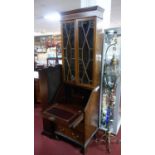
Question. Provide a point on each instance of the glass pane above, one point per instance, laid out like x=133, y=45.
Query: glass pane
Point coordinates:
x=90, y=37
x=111, y=81
x=86, y=36
x=64, y=35
x=81, y=36
x=69, y=51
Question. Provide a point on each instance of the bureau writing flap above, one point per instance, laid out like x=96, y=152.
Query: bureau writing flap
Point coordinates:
x=76, y=121
x=62, y=114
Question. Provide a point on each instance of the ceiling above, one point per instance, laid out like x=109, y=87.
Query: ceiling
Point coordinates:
x=43, y=7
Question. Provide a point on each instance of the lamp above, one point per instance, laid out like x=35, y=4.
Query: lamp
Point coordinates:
x=111, y=77
x=55, y=16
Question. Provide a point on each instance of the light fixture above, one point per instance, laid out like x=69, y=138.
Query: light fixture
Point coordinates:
x=110, y=84
x=55, y=16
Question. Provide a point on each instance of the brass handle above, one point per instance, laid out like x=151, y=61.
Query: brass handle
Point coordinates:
x=73, y=134
x=52, y=118
x=77, y=136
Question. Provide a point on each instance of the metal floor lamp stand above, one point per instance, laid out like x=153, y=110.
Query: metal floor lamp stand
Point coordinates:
x=107, y=139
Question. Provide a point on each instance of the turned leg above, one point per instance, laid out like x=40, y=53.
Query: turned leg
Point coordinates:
x=83, y=151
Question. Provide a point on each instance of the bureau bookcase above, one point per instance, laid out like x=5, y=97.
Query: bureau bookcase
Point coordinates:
x=74, y=110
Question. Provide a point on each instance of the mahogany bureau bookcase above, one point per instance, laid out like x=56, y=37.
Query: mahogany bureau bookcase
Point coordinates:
x=74, y=111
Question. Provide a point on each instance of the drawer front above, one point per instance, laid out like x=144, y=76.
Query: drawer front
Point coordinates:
x=71, y=133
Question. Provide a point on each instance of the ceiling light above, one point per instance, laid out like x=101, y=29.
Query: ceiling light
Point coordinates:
x=53, y=17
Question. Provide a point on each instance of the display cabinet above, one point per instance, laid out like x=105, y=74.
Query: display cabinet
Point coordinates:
x=54, y=56
x=47, y=50
x=43, y=42
x=81, y=46
x=110, y=92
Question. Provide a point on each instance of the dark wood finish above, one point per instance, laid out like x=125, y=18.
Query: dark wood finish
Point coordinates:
x=98, y=40
x=48, y=128
x=83, y=13
x=97, y=45
x=36, y=91
x=75, y=113
x=50, y=80
x=91, y=115
x=74, y=109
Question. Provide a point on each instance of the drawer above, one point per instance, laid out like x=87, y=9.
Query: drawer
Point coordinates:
x=71, y=133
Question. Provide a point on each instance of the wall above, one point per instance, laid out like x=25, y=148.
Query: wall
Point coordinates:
x=112, y=11
x=115, y=19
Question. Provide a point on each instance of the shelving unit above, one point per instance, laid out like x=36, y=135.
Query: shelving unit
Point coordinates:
x=43, y=45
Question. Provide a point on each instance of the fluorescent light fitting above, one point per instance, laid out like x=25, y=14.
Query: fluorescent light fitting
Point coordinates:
x=53, y=17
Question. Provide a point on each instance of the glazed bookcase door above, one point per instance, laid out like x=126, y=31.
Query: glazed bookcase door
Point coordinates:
x=68, y=50
x=85, y=50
